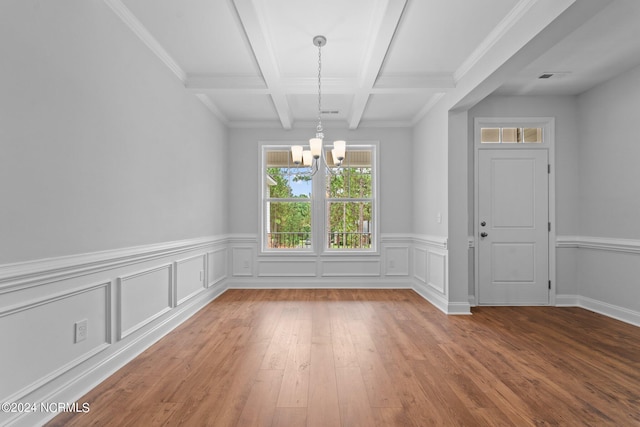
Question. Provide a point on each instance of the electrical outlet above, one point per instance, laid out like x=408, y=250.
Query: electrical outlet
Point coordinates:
x=81, y=330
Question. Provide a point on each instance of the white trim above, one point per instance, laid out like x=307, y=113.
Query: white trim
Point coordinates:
x=599, y=243
x=440, y=302
x=171, y=298
x=106, y=285
x=318, y=204
x=37, y=272
x=498, y=32
x=548, y=124
x=439, y=242
x=78, y=382
x=615, y=312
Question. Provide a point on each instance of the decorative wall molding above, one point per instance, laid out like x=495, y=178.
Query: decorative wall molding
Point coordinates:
x=38, y=272
x=396, y=260
x=349, y=267
x=147, y=286
x=190, y=277
x=102, y=340
x=434, y=241
x=80, y=380
x=599, y=243
x=128, y=297
x=217, y=261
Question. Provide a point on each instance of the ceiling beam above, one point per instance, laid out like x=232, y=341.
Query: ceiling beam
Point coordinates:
x=377, y=51
x=145, y=36
x=255, y=31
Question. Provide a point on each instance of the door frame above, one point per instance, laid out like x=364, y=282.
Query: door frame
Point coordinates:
x=548, y=131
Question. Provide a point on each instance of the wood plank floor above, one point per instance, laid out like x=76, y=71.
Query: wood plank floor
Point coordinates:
x=375, y=358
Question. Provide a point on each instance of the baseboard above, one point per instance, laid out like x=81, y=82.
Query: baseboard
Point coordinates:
x=567, y=300
x=440, y=302
x=610, y=310
x=615, y=312
x=77, y=383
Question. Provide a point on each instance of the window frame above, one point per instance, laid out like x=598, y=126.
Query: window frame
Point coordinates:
x=319, y=204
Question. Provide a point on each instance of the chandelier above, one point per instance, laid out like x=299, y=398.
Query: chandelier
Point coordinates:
x=315, y=154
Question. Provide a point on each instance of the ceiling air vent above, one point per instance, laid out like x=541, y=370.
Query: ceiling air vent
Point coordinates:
x=554, y=74
x=330, y=112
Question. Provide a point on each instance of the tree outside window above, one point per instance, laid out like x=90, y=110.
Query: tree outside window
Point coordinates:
x=336, y=208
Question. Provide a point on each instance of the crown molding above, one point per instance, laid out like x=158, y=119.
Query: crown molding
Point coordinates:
x=145, y=36
x=204, y=98
x=427, y=107
x=210, y=83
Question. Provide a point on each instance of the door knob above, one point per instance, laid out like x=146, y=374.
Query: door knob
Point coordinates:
x=483, y=223
x=483, y=234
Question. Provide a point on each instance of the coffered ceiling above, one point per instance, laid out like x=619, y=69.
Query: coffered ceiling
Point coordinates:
x=386, y=62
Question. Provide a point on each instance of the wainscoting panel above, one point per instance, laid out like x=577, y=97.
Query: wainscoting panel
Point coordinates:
x=437, y=271
x=604, y=277
x=420, y=264
x=39, y=341
x=242, y=261
x=396, y=260
x=216, y=266
x=346, y=267
x=142, y=297
x=128, y=298
x=190, y=279
x=290, y=267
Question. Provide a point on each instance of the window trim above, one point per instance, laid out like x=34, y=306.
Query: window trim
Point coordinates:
x=319, y=243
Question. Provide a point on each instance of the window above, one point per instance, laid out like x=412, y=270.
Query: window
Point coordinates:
x=331, y=211
x=510, y=135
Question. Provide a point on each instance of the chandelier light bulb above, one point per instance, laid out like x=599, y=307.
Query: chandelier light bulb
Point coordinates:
x=316, y=147
x=307, y=158
x=296, y=154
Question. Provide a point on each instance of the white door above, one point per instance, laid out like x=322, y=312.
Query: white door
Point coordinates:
x=513, y=235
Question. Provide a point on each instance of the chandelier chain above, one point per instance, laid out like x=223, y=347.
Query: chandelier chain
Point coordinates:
x=319, y=87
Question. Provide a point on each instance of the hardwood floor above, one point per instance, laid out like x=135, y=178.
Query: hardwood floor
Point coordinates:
x=375, y=358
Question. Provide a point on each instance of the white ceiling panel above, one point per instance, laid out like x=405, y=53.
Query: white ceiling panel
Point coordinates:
x=253, y=63
x=438, y=36
x=244, y=107
x=395, y=107
x=603, y=47
x=202, y=36
x=305, y=107
x=291, y=26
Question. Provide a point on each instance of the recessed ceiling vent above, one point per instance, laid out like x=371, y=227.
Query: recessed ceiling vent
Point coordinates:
x=554, y=75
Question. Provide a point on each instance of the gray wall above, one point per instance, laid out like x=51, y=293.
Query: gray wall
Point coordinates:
x=101, y=147
x=429, y=155
x=567, y=139
x=597, y=186
x=609, y=191
x=395, y=173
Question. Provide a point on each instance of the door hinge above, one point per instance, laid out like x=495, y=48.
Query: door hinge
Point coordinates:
x=548, y=168
x=549, y=226
x=549, y=284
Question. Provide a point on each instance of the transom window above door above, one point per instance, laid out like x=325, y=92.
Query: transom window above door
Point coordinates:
x=510, y=135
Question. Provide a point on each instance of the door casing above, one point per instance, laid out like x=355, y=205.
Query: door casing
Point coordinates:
x=548, y=126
